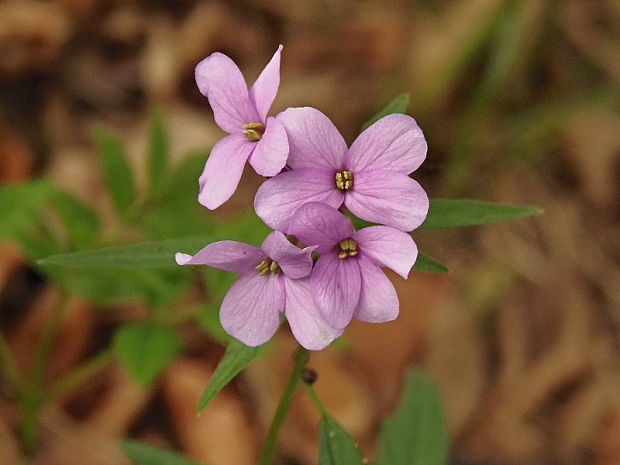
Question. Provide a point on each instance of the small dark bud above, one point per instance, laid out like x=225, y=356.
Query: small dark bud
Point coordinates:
x=309, y=376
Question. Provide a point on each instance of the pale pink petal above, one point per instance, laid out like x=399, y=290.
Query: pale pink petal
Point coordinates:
x=269, y=156
x=251, y=307
x=223, y=170
x=319, y=224
x=220, y=80
x=335, y=284
x=389, y=198
x=226, y=255
x=388, y=247
x=378, y=300
x=306, y=322
x=295, y=262
x=279, y=197
x=265, y=88
x=314, y=141
x=394, y=143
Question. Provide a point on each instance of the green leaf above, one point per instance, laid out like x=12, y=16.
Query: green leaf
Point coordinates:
x=80, y=221
x=452, y=213
x=20, y=206
x=235, y=359
x=145, y=349
x=416, y=434
x=145, y=454
x=398, y=105
x=427, y=264
x=157, y=159
x=116, y=171
x=336, y=446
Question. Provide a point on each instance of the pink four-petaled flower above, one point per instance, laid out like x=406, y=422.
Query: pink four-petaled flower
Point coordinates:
x=273, y=279
x=241, y=112
x=371, y=178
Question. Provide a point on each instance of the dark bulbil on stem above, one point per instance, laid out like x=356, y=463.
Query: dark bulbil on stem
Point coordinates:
x=309, y=376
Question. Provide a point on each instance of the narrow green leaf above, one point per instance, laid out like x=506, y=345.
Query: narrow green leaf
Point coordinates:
x=235, y=359
x=145, y=349
x=145, y=454
x=427, y=264
x=416, y=434
x=336, y=446
x=452, y=213
x=20, y=206
x=116, y=171
x=157, y=159
x=80, y=221
x=398, y=105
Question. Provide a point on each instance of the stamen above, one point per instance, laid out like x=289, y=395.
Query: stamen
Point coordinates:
x=266, y=266
x=348, y=248
x=253, y=131
x=344, y=180
x=274, y=268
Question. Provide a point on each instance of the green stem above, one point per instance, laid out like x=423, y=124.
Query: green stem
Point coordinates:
x=78, y=375
x=9, y=367
x=301, y=358
x=315, y=398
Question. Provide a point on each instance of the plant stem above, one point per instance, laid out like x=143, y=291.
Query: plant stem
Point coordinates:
x=315, y=398
x=9, y=367
x=79, y=374
x=301, y=358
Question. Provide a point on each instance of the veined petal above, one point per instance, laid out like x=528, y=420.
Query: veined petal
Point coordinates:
x=271, y=151
x=250, y=309
x=393, y=143
x=387, y=246
x=306, y=322
x=319, y=224
x=279, y=197
x=226, y=255
x=223, y=170
x=335, y=284
x=220, y=80
x=314, y=141
x=264, y=90
x=389, y=198
x=378, y=300
x=295, y=262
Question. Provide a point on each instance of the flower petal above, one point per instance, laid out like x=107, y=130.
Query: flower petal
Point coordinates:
x=378, y=300
x=335, y=284
x=269, y=156
x=389, y=198
x=250, y=309
x=220, y=80
x=306, y=322
x=314, y=141
x=393, y=143
x=387, y=246
x=318, y=224
x=279, y=197
x=265, y=88
x=226, y=255
x=295, y=262
x=223, y=170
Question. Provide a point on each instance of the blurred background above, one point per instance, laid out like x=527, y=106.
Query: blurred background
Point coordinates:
x=519, y=103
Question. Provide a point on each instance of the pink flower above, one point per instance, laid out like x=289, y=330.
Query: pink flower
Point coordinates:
x=241, y=112
x=273, y=279
x=370, y=178
x=347, y=280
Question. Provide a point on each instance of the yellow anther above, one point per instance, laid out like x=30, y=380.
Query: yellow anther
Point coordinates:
x=348, y=248
x=274, y=268
x=344, y=180
x=266, y=266
x=253, y=131
x=263, y=268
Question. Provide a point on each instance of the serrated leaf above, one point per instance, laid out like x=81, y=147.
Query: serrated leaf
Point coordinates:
x=235, y=359
x=336, y=446
x=416, y=434
x=145, y=349
x=21, y=205
x=398, y=105
x=116, y=171
x=157, y=160
x=145, y=454
x=80, y=221
x=452, y=213
x=427, y=264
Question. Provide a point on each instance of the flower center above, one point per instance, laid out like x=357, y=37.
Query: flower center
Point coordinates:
x=344, y=180
x=266, y=266
x=253, y=131
x=348, y=248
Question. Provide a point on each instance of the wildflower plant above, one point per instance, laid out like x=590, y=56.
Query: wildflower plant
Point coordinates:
x=328, y=218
